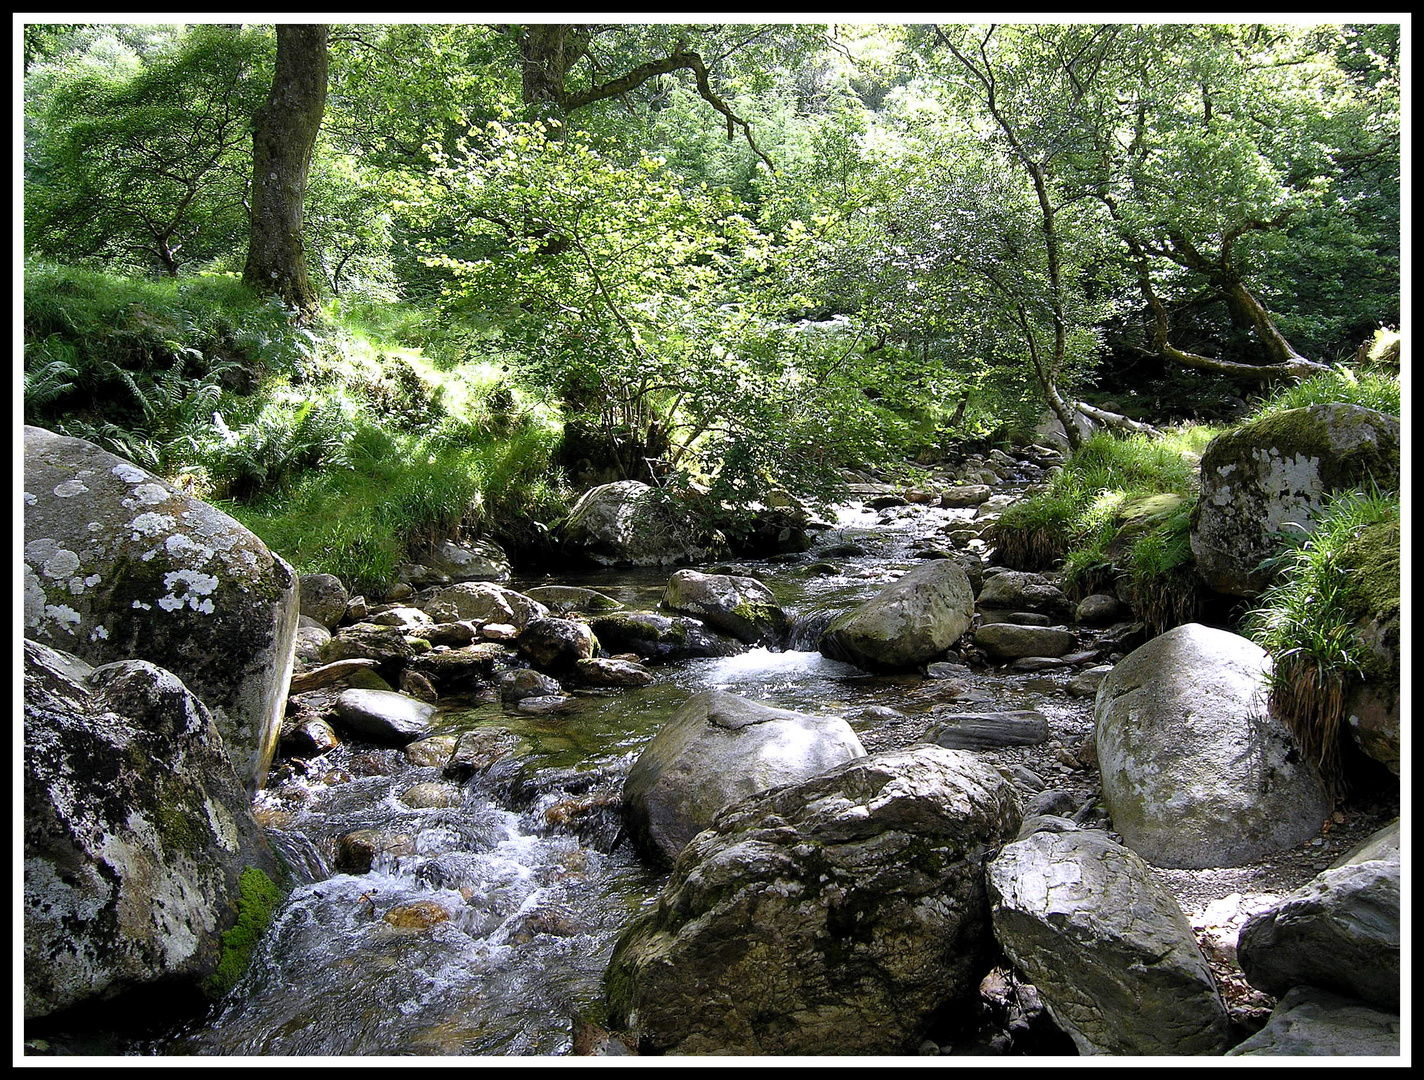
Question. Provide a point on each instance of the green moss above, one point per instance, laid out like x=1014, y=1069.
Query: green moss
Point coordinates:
x=1305, y=432
x=257, y=901
x=1373, y=560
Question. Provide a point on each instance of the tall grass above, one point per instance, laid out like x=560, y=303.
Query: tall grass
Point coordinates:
x=1307, y=621
x=1372, y=389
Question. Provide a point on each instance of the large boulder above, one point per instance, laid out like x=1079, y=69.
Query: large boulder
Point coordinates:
x=1105, y=943
x=472, y=560
x=627, y=524
x=716, y=750
x=1338, y=932
x=1314, y=1023
x=1273, y=475
x=1195, y=772
x=557, y=645
x=834, y=916
x=911, y=621
x=740, y=606
x=120, y=565
x=143, y=864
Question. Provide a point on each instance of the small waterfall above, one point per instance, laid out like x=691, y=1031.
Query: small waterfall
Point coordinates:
x=805, y=630
x=300, y=855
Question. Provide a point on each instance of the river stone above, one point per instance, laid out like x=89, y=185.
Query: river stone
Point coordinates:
x=910, y=622
x=740, y=606
x=368, y=641
x=431, y=796
x=557, y=644
x=465, y=670
x=1099, y=609
x=1314, y=1023
x=474, y=560
x=454, y=634
x=308, y=643
x=965, y=495
x=1381, y=844
x=384, y=716
x=627, y=524
x=1009, y=641
x=1339, y=932
x=431, y=752
x=139, y=838
x=408, y=620
x=837, y=915
x=1274, y=475
x=1087, y=683
x=716, y=749
x=359, y=849
x=486, y=602
x=1195, y=772
x=660, y=638
x=525, y=682
x=1107, y=946
x=604, y=672
x=987, y=731
x=1015, y=590
x=323, y=598
x=120, y=565
x=565, y=599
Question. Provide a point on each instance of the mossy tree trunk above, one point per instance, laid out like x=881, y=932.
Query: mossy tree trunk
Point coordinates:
x=284, y=132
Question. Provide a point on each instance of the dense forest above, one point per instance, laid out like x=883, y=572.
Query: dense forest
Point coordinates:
x=1039, y=383
x=739, y=256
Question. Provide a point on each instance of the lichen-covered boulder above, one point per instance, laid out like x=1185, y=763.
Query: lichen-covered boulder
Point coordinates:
x=143, y=864
x=627, y=524
x=741, y=606
x=838, y=915
x=1195, y=771
x=1106, y=945
x=910, y=622
x=1339, y=932
x=120, y=565
x=1273, y=475
x=717, y=749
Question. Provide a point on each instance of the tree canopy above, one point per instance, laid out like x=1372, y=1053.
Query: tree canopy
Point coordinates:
x=749, y=252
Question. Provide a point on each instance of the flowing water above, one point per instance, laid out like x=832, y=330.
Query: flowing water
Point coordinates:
x=492, y=928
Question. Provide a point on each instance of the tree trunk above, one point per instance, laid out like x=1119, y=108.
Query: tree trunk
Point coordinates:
x=283, y=134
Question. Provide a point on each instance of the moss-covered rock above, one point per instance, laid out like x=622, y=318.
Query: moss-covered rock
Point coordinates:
x=1272, y=476
x=1372, y=700
x=740, y=606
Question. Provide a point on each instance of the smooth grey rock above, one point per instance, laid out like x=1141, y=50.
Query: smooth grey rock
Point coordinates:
x=524, y=683
x=1382, y=844
x=119, y=565
x=367, y=641
x=323, y=598
x=913, y=620
x=716, y=749
x=605, y=672
x=965, y=495
x=1087, y=682
x=137, y=831
x=1339, y=932
x=1313, y=1023
x=833, y=916
x=384, y=716
x=1195, y=772
x=740, y=606
x=1008, y=641
x=1273, y=475
x=1099, y=609
x=1016, y=590
x=408, y=620
x=985, y=731
x=1106, y=945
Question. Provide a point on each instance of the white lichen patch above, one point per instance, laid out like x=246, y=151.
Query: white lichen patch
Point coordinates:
x=69, y=489
x=151, y=524
x=179, y=546
x=37, y=551
x=30, y=500
x=139, y=605
x=99, y=633
x=34, y=598
x=148, y=495
x=92, y=580
x=61, y=564
x=187, y=587
x=129, y=474
x=63, y=614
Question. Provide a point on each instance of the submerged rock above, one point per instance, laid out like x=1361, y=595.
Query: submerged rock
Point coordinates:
x=837, y=915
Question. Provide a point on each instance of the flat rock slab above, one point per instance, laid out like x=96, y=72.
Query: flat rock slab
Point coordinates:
x=986, y=731
x=384, y=716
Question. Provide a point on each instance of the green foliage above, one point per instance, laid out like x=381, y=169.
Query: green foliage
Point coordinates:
x=1120, y=508
x=1368, y=389
x=148, y=162
x=1307, y=621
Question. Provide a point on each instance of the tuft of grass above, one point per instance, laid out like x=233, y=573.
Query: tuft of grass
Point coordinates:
x=1371, y=389
x=1307, y=621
